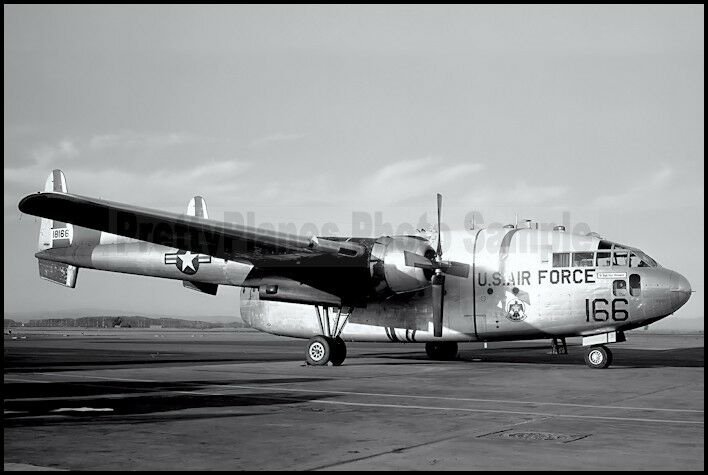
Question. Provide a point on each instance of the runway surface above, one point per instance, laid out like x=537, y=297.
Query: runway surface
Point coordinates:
x=158, y=400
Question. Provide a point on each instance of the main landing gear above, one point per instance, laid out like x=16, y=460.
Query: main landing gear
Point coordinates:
x=328, y=347
x=322, y=350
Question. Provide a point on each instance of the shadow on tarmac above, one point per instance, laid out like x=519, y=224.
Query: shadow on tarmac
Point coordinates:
x=622, y=357
x=36, y=404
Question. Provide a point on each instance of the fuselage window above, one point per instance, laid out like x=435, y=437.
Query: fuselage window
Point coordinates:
x=561, y=259
x=635, y=285
x=619, y=288
x=620, y=259
x=604, y=259
x=583, y=259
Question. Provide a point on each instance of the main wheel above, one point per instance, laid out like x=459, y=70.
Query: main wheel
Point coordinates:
x=441, y=351
x=319, y=351
x=598, y=357
x=339, y=352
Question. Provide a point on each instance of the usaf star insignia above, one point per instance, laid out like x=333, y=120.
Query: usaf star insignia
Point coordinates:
x=186, y=262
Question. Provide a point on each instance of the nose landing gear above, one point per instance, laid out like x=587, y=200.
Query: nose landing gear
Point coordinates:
x=598, y=357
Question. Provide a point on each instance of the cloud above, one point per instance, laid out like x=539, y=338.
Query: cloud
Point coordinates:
x=274, y=138
x=131, y=139
x=515, y=194
x=140, y=168
x=408, y=179
x=648, y=191
x=46, y=155
x=390, y=185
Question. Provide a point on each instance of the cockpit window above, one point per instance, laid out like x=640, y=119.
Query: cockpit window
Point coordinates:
x=645, y=261
x=604, y=259
x=620, y=258
x=636, y=261
x=637, y=258
x=604, y=245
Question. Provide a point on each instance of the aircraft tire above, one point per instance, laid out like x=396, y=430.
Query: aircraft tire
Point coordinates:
x=319, y=351
x=339, y=352
x=441, y=351
x=598, y=357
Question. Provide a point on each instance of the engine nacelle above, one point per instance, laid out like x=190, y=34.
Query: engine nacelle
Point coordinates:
x=389, y=271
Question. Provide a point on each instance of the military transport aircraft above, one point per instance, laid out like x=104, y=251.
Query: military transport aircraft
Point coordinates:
x=499, y=283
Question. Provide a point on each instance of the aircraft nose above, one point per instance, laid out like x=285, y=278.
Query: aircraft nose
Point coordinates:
x=680, y=291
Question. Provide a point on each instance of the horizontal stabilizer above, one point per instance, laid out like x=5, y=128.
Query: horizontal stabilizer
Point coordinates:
x=201, y=287
x=58, y=272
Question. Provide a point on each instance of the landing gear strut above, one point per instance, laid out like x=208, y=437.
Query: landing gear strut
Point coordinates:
x=598, y=357
x=441, y=351
x=558, y=346
x=328, y=347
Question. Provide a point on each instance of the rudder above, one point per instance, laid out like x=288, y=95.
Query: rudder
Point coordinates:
x=55, y=234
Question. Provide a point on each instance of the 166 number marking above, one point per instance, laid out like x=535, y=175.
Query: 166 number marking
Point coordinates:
x=598, y=309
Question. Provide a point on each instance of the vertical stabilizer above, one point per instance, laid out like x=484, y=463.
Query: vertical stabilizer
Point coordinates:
x=55, y=234
x=197, y=207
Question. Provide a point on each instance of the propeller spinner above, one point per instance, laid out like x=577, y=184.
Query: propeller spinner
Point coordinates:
x=440, y=268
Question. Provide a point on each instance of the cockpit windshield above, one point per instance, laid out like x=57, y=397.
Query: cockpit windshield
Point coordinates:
x=619, y=254
x=640, y=259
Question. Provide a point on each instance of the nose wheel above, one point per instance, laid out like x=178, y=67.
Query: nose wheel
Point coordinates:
x=598, y=357
x=322, y=350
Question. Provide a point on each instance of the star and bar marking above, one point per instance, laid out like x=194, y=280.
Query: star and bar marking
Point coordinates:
x=186, y=261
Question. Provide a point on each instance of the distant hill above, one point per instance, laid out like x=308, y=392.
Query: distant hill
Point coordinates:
x=124, y=321
x=26, y=316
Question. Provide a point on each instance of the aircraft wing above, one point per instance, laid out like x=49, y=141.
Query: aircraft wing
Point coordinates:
x=196, y=234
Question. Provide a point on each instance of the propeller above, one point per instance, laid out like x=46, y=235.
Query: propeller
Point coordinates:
x=440, y=268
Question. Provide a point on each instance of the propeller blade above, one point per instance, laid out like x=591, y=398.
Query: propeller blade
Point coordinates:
x=458, y=269
x=439, y=250
x=416, y=260
x=438, y=284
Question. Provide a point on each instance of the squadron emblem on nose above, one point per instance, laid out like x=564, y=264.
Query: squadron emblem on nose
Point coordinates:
x=186, y=262
x=515, y=310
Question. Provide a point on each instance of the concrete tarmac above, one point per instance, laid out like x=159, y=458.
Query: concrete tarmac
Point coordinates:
x=226, y=400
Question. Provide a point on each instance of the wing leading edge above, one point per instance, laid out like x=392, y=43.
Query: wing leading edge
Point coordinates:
x=215, y=238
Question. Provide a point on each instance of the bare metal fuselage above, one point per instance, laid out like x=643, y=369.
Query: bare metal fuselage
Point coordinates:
x=515, y=290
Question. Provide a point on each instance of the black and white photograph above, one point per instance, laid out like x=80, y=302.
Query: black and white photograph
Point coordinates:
x=353, y=237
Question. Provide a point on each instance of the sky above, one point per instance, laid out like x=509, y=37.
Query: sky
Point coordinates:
x=341, y=119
